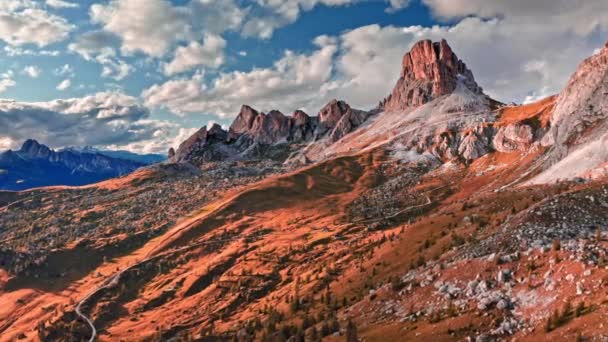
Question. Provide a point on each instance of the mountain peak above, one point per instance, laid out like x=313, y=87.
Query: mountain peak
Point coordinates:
x=429, y=70
x=33, y=148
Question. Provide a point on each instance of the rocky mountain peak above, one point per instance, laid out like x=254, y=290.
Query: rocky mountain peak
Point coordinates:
x=34, y=149
x=332, y=113
x=243, y=122
x=429, y=70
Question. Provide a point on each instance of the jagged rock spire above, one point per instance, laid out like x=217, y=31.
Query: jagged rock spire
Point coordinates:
x=429, y=70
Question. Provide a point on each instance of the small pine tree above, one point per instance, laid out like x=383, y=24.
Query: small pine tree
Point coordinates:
x=580, y=309
x=351, y=332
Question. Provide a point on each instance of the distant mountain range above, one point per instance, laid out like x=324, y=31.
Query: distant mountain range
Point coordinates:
x=36, y=165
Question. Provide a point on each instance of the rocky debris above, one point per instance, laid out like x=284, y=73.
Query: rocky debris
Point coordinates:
x=504, y=275
x=507, y=327
x=476, y=287
x=449, y=290
x=389, y=198
x=429, y=70
x=493, y=299
x=565, y=218
x=171, y=153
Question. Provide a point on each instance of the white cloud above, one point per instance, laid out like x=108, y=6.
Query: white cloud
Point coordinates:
x=61, y=4
x=6, y=143
x=6, y=81
x=273, y=14
x=583, y=17
x=65, y=84
x=104, y=119
x=99, y=46
x=150, y=26
x=153, y=27
x=397, y=5
x=65, y=70
x=12, y=51
x=292, y=82
x=22, y=22
x=32, y=71
x=209, y=54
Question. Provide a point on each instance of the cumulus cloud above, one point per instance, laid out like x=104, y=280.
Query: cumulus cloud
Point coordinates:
x=32, y=71
x=64, y=85
x=397, y=5
x=273, y=14
x=209, y=54
x=150, y=26
x=23, y=22
x=292, y=82
x=540, y=15
x=153, y=27
x=6, y=81
x=99, y=46
x=104, y=119
x=61, y=4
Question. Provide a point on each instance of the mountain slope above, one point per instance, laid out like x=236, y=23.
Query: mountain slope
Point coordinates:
x=412, y=221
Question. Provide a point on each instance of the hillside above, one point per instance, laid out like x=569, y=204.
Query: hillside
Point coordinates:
x=430, y=218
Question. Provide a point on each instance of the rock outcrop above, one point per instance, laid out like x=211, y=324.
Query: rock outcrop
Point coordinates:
x=202, y=146
x=429, y=70
x=254, y=134
x=581, y=105
x=274, y=127
x=513, y=137
x=578, y=135
x=339, y=119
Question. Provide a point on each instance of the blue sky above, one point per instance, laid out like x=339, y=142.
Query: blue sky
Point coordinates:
x=144, y=74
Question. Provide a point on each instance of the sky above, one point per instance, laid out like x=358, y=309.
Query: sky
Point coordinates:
x=143, y=75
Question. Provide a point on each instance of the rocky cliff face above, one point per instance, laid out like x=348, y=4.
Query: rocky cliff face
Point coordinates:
x=581, y=106
x=429, y=70
x=578, y=135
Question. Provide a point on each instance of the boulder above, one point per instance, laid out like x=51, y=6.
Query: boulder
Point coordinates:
x=513, y=137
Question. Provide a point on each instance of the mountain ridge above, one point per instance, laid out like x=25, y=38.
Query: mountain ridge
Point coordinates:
x=36, y=165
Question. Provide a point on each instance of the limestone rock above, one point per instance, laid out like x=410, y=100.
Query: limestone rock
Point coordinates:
x=429, y=70
x=513, y=137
